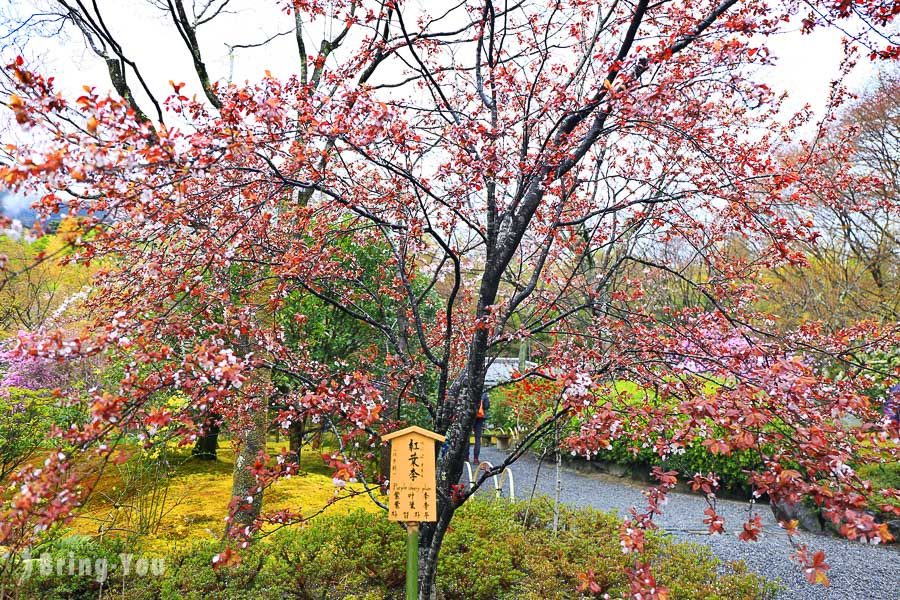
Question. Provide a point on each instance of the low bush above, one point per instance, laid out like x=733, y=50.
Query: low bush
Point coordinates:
x=26, y=418
x=534, y=562
x=494, y=549
x=732, y=469
x=72, y=567
x=884, y=476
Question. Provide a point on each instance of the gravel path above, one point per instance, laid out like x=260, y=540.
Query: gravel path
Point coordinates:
x=858, y=571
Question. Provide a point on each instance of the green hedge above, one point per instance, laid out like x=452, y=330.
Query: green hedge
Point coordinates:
x=61, y=555
x=494, y=549
x=732, y=469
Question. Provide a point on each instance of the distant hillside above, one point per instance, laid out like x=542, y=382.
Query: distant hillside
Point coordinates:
x=17, y=207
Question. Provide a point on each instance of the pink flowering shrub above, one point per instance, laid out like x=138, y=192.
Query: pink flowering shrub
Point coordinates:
x=21, y=368
x=29, y=372
x=29, y=408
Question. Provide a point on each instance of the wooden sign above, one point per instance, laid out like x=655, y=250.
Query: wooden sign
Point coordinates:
x=413, y=484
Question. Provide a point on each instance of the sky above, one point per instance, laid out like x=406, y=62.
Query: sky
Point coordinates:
x=805, y=64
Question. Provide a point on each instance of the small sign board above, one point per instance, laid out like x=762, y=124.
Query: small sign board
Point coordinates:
x=413, y=482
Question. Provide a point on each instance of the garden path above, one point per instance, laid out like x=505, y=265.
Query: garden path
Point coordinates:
x=858, y=571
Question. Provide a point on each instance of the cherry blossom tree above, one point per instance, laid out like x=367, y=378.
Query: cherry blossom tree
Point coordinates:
x=855, y=262
x=521, y=164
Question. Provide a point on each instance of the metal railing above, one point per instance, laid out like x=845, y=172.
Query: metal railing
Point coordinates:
x=498, y=479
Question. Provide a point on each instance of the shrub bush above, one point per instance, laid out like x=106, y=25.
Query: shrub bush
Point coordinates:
x=884, y=476
x=732, y=469
x=489, y=552
x=358, y=555
x=66, y=568
x=547, y=564
x=501, y=414
x=26, y=417
x=493, y=550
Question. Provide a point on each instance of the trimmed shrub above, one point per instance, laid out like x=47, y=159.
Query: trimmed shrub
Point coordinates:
x=359, y=555
x=67, y=568
x=732, y=469
x=493, y=550
x=490, y=552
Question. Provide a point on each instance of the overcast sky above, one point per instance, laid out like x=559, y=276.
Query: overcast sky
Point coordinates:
x=805, y=66
x=806, y=63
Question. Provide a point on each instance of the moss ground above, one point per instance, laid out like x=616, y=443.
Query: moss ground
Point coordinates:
x=197, y=498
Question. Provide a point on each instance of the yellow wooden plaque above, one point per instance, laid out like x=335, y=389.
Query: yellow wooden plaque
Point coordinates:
x=413, y=484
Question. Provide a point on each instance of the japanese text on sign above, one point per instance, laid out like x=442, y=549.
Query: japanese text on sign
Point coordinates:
x=412, y=480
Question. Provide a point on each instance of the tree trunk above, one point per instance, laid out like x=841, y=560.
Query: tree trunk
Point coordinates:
x=208, y=442
x=558, y=482
x=450, y=468
x=456, y=419
x=244, y=490
x=428, y=555
x=296, y=432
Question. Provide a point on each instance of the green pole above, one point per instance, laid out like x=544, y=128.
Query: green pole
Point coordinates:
x=412, y=561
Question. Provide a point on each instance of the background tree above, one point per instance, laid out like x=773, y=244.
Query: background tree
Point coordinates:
x=854, y=264
x=47, y=283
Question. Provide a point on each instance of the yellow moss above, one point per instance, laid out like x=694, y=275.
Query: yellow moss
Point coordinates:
x=199, y=494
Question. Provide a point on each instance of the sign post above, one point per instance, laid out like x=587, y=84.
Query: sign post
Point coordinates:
x=412, y=494
x=412, y=561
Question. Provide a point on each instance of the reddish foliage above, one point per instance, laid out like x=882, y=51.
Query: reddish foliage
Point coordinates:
x=814, y=567
x=642, y=584
x=589, y=583
x=540, y=195
x=752, y=529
